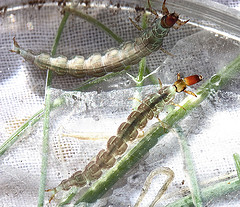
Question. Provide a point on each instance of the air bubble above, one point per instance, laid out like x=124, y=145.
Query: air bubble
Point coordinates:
x=215, y=80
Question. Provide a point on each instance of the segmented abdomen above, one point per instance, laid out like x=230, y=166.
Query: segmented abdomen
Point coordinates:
x=114, y=59
x=117, y=145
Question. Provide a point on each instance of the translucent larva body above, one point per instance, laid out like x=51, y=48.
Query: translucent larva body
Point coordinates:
x=112, y=60
x=127, y=131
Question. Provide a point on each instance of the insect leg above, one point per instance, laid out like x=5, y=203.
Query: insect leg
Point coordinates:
x=164, y=125
x=140, y=134
x=136, y=25
x=166, y=52
x=136, y=99
x=152, y=10
x=190, y=93
x=53, y=195
x=177, y=105
x=160, y=83
x=16, y=46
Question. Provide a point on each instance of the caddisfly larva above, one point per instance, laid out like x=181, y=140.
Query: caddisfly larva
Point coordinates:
x=127, y=131
x=112, y=60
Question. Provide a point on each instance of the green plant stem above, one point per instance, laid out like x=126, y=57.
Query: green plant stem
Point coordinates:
x=152, y=78
x=209, y=193
x=41, y=191
x=139, y=80
x=141, y=71
x=147, y=71
x=68, y=197
x=28, y=124
x=43, y=176
x=94, y=22
x=156, y=133
x=142, y=64
x=17, y=134
x=57, y=102
x=37, y=116
x=237, y=163
x=95, y=81
x=189, y=168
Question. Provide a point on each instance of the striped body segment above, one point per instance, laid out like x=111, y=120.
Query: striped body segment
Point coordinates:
x=112, y=60
x=117, y=145
x=127, y=132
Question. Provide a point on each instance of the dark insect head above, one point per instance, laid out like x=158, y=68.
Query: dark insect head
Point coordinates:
x=182, y=83
x=169, y=20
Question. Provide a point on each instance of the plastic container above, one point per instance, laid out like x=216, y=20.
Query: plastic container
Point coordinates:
x=80, y=126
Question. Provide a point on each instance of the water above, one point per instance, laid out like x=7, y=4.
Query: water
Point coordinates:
x=211, y=129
